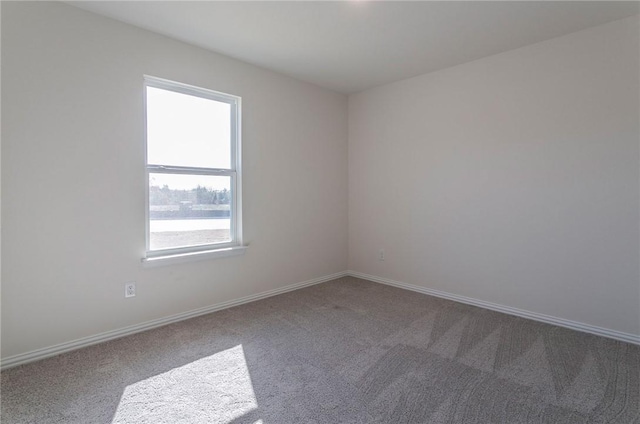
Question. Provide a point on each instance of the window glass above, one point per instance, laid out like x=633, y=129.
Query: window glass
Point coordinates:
x=185, y=130
x=188, y=210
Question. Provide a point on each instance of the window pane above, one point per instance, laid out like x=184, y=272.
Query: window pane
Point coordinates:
x=184, y=130
x=188, y=210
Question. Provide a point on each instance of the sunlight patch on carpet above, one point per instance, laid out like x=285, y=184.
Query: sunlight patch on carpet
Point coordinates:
x=215, y=389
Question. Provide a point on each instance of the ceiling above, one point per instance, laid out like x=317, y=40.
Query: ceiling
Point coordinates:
x=349, y=46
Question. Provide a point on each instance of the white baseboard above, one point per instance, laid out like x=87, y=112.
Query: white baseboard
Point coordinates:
x=574, y=325
x=36, y=355
x=47, y=352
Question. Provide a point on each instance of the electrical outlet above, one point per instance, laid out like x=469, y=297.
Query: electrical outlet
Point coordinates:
x=129, y=289
x=381, y=255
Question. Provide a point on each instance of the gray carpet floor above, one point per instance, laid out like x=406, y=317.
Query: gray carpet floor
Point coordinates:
x=346, y=351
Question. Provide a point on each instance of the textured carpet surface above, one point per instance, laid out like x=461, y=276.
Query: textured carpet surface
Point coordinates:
x=346, y=351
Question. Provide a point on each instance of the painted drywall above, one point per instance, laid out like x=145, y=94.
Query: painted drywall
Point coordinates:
x=513, y=179
x=73, y=178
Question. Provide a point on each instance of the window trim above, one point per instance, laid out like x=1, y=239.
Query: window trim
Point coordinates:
x=234, y=172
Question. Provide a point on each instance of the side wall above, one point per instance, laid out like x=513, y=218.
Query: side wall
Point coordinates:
x=73, y=178
x=513, y=179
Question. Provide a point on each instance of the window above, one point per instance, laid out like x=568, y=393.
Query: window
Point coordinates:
x=193, y=169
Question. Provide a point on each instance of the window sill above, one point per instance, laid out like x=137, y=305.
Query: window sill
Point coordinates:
x=193, y=256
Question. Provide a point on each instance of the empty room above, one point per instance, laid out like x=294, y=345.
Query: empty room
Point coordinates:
x=273, y=212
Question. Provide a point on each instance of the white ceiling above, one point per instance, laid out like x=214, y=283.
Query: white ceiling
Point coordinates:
x=349, y=46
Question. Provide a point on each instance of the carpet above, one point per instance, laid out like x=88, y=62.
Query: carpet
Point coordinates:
x=345, y=351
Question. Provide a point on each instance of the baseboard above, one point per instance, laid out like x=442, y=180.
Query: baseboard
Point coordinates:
x=47, y=352
x=586, y=328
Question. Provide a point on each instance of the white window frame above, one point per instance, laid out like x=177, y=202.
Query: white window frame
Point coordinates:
x=234, y=172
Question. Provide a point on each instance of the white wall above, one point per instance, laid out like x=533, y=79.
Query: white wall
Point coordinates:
x=73, y=178
x=513, y=179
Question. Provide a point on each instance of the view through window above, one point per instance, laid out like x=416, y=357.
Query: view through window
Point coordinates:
x=192, y=158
